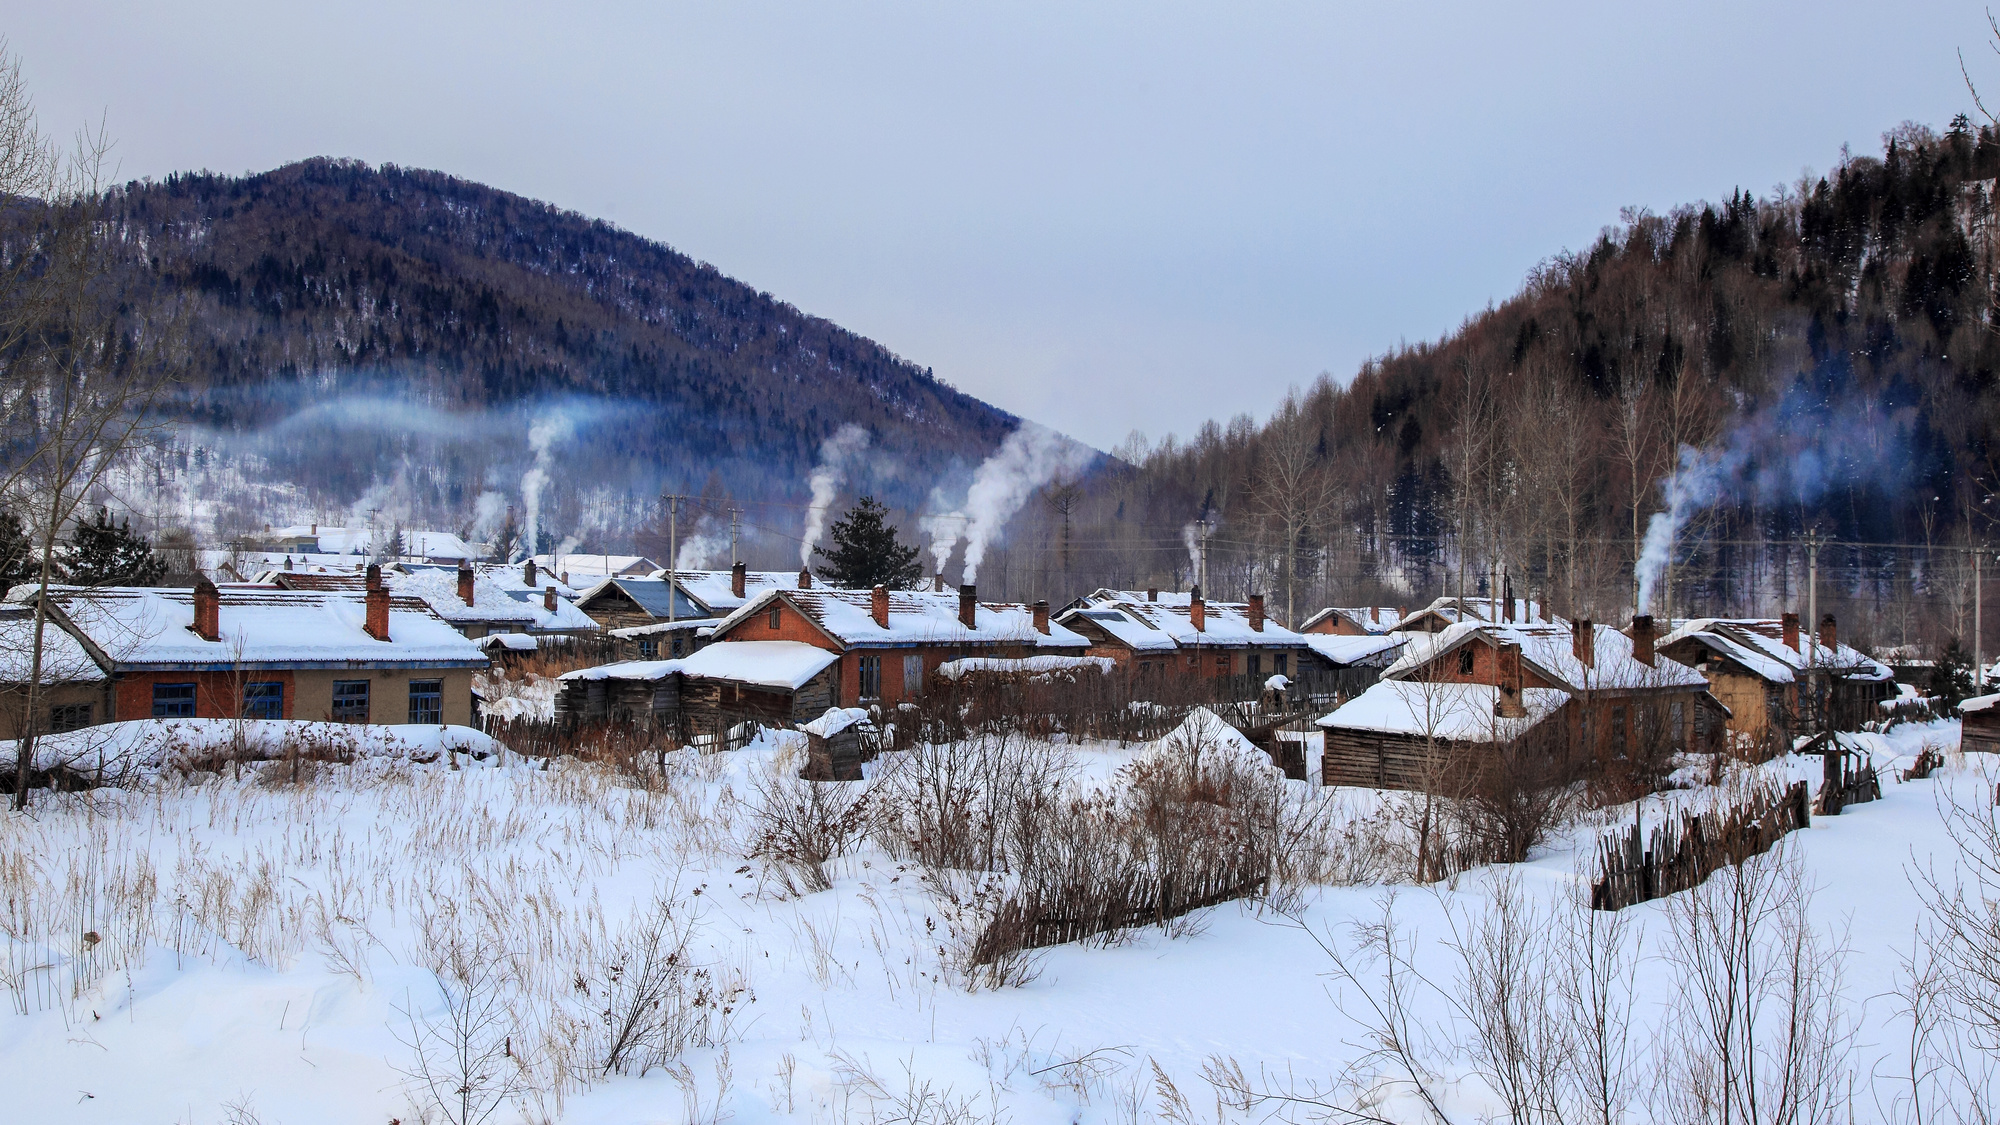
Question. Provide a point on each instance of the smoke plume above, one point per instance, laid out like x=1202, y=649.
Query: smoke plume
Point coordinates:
x=945, y=528
x=1029, y=458
x=700, y=550
x=1791, y=454
x=1191, y=536
x=547, y=430
x=834, y=455
x=488, y=513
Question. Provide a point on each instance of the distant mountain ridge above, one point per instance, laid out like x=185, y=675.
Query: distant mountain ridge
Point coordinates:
x=327, y=278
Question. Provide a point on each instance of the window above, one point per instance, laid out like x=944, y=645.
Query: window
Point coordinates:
x=913, y=676
x=1254, y=664
x=350, y=701
x=69, y=716
x=1465, y=662
x=1677, y=716
x=680, y=647
x=173, y=701
x=427, y=701
x=649, y=650
x=871, y=677
x=1618, y=737
x=774, y=620
x=1222, y=665
x=1278, y=664
x=264, y=700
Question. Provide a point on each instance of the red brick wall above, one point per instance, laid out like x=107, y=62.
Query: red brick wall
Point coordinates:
x=216, y=694
x=1485, y=668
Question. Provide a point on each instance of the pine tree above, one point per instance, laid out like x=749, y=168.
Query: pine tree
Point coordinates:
x=1951, y=678
x=867, y=553
x=15, y=553
x=106, y=554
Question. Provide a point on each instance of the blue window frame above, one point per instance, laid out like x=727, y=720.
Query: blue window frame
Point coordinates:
x=427, y=701
x=173, y=701
x=265, y=700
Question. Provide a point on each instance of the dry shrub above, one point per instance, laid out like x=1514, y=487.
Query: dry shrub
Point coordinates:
x=1513, y=794
x=652, y=1002
x=801, y=825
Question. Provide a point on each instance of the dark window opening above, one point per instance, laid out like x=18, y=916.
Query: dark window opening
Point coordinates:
x=264, y=700
x=173, y=701
x=350, y=701
x=649, y=650
x=680, y=647
x=69, y=716
x=871, y=677
x=1465, y=662
x=774, y=621
x=427, y=701
x=1618, y=737
x=1278, y=664
x=1253, y=664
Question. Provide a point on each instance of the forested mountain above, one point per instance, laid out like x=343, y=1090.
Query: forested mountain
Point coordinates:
x=387, y=337
x=1825, y=356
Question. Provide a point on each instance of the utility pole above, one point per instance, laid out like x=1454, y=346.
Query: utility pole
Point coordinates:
x=1206, y=524
x=1978, y=629
x=735, y=520
x=1813, y=544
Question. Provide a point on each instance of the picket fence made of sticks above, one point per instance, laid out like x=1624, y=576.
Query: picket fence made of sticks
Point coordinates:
x=1679, y=854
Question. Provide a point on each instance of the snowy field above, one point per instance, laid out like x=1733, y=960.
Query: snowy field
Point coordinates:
x=295, y=949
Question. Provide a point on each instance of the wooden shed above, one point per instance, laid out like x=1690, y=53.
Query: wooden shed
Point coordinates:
x=1980, y=724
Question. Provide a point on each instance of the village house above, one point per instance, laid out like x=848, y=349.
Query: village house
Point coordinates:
x=701, y=598
x=1617, y=700
x=774, y=683
x=890, y=642
x=1365, y=621
x=441, y=547
x=1448, y=611
x=478, y=602
x=1779, y=683
x=75, y=691
x=583, y=570
x=1979, y=726
x=269, y=653
x=1151, y=633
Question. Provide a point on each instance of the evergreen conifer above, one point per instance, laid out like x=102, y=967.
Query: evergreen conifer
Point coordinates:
x=103, y=553
x=866, y=552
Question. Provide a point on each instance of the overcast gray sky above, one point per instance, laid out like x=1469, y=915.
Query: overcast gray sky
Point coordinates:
x=1101, y=216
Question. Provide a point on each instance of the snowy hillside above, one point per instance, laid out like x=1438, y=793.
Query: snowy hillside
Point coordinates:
x=271, y=950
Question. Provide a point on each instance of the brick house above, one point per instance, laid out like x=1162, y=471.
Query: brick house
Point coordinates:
x=701, y=599
x=1151, y=633
x=1365, y=621
x=477, y=601
x=267, y=653
x=890, y=642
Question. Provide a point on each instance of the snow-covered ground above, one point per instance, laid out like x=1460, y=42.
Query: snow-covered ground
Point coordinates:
x=253, y=949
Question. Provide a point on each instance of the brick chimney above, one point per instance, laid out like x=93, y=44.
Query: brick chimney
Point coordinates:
x=878, y=606
x=207, y=610
x=1152, y=593
x=1642, y=639
x=549, y=599
x=528, y=574
x=1256, y=613
x=565, y=577
x=1197, y=610
x=465, y=584
x=1042, y=618
x=374, y=576
x=1828, y=635
x=805, y=578
x=1583, y=645
x=737, y=573
x=377, y=623
x=968, y=606
x=1374, y=615
x=288, y=562
x=1791, y=624
x=1509, y=661
x=937, y=582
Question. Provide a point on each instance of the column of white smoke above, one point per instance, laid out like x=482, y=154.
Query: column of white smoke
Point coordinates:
x=1029, y=458
x=834, y=454
x=699, y=550
x=545, y=432
x=1191, y=536
x=945, y=528
x=1695, y=486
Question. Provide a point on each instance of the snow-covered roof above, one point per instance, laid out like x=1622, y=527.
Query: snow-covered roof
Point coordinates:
x=1147, y=625
x=420, y=544
x=626, y=670
x=780, y=664
x=1338, y=648
x=63, y=658
x=695, y=625
x=1370, y=619
x=1759, y=645
x=512, y=642
x=1033, y=665
x=1550, y=651
x=1978, y=703
x=713, y=589
x=1461, y=712
x=512, y=578
x=915, y=617
x=141, y=628
x=588, y=567
x=1451, y=610
x=438, y=587
x=655, y=596
x=835, y=720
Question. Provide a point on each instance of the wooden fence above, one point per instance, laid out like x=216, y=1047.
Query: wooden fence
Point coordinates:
x=1027, y=923
x=1681, y=853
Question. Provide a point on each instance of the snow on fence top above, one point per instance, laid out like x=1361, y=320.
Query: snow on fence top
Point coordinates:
x=1459, y=712
x=112, y=752
x=954, y=669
